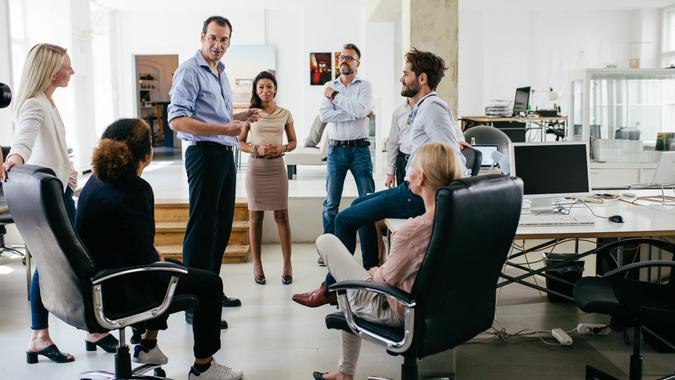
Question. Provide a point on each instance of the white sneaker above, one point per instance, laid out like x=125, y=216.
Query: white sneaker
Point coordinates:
x=149, y=356
x=216, y=372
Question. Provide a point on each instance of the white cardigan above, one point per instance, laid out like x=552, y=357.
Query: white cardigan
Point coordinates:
x=41, y=138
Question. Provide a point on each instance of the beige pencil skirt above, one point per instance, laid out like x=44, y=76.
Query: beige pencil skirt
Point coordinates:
x=267, y=184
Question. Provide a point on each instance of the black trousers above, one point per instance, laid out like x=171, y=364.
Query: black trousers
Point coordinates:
x=401, y=163
x=212, y=184
x=206, y=318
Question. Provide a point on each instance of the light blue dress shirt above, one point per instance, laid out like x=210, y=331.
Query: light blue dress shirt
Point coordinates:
x=433, y=123
x=347, y=114
x=198, y=93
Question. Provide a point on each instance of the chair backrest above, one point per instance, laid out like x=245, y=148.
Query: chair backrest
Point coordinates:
x=474, y=158
x=35, y=199
x=475, y=223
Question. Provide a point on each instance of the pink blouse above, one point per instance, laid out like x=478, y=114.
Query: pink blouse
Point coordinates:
x=408, y=246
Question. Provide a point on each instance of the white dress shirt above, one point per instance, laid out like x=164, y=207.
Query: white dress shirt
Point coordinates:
x=433, y=122
x=399, y=135
x=347, y=114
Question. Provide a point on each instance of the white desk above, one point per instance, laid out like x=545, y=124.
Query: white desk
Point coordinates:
x=640, y=220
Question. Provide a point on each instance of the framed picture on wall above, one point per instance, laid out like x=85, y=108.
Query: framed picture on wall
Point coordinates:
x=336, y=64
x=319, y=68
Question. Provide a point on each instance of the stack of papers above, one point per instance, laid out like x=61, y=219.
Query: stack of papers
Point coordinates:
x=499, y=108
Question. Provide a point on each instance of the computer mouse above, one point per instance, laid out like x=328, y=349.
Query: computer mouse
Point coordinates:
x=616, y=219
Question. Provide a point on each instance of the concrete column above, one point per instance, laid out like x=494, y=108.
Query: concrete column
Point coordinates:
x=432, y=25
x=83, y=83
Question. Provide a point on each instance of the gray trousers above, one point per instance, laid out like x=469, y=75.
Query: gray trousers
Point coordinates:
x=367, y=305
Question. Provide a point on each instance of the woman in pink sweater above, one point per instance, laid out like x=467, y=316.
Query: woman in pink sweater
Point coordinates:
x=433, y=166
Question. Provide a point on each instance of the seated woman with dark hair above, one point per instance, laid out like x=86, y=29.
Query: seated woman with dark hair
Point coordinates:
x=115, y=221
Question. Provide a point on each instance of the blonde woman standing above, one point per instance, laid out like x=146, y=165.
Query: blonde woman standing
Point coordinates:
x=40, y=140
x=266, y=178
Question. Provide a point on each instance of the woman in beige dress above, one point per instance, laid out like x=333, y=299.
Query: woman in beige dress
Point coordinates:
x=266, y=178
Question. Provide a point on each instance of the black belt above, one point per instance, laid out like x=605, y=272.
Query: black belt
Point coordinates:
x=349, y=143
x=404, y=156
x=210, y=144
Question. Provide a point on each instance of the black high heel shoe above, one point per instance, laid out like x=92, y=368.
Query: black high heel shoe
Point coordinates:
x=260, y=280
x=108, y=343
x=50, y=352
x=286, y=279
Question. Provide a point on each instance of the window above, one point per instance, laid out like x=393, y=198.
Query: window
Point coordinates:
x=668, y=47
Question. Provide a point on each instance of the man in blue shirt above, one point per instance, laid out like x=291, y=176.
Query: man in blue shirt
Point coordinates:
x=345, y=105
x=432, y=122
x=201, y=114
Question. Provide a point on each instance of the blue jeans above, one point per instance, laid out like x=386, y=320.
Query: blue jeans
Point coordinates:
x=40, y=315
x=340, y=160
x=398, y=202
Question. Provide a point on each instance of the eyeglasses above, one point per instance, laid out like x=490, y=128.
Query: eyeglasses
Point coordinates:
x=213, y=39
x=348, y=58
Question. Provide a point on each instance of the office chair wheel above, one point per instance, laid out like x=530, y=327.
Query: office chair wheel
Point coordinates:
x=160, y=372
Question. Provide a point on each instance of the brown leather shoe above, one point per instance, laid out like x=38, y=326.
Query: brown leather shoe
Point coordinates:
x=317, y=297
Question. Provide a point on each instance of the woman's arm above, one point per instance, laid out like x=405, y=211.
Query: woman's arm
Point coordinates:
x=291, y=137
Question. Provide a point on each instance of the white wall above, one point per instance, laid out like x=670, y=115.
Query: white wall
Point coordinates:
x=503, y=49
x=293, y=31
x=6, y=132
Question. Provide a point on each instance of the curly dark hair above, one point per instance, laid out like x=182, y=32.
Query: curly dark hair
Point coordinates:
x=124, y=144
x=255, y=99
x=429, y=63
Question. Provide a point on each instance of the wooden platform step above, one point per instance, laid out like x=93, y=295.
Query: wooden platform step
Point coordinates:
x=180, y=211
x=172, y=233
x=233, y=253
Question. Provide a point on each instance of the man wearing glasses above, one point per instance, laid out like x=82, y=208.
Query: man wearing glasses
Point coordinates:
x=345, y=105
x=201, y=113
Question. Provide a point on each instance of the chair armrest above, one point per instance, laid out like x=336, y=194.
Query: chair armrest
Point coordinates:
x=107, y=274
x=643, y=264
x=399, y=295
x=176, y=272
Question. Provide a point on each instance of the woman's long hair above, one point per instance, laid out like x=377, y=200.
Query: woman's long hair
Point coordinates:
x=124, y=144
x=42, y=62
x=255, y=99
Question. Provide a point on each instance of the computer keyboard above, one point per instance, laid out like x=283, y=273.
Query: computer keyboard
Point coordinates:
x=548, y=219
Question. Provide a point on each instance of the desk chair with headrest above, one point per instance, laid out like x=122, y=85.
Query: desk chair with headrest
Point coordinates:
x=474, y=158
x=632, y=301
x=71, y=287
x=453, y=298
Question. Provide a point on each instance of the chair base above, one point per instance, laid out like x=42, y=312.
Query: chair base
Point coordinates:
x=137, y=373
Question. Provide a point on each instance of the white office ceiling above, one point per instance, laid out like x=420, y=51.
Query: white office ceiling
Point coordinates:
x=211, y=5
x=563, y=4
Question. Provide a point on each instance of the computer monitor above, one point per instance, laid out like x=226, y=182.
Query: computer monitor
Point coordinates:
x=521, y=101
x=552, y=170
x=487, y=151
x=665, y=170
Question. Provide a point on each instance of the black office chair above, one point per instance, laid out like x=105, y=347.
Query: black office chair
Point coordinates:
x=634, y=295
x=70, y=286
x=453, y=298
x=474, y=158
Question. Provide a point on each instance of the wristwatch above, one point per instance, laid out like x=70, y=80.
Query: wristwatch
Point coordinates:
x=333, y=95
